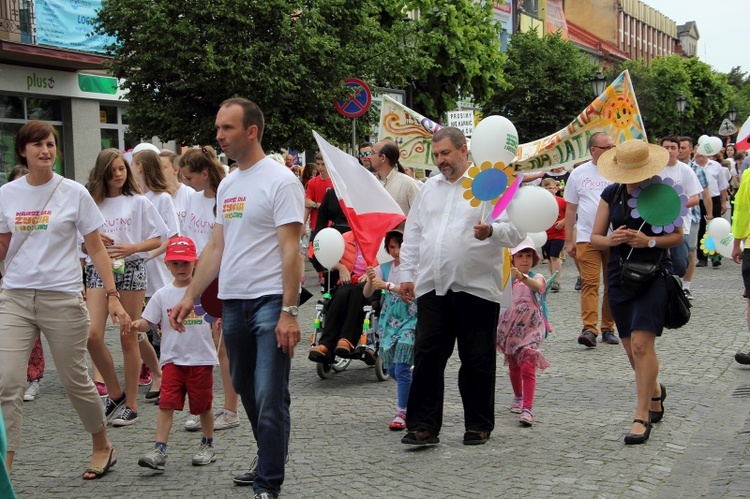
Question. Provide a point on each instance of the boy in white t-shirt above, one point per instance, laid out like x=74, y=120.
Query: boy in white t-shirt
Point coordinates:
x=187, y=359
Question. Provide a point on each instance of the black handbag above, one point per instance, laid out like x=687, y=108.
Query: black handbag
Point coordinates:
x=635, y=275
x=677, y=313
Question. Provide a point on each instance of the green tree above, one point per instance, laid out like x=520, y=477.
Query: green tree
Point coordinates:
x=549, y=85
x=182, y=59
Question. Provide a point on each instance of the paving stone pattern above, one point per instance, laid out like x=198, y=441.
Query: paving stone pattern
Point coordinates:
x=341, y=446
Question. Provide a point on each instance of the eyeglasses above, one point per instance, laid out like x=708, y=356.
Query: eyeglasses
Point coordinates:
x=607, y=148
x=365, y=154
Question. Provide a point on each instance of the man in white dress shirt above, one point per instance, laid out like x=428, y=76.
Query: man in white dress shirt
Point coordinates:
x=456, y=261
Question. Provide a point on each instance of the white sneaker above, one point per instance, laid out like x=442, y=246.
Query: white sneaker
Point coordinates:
x=223, y=420
x=206, y=455
x=32, y=391
x=193, y=423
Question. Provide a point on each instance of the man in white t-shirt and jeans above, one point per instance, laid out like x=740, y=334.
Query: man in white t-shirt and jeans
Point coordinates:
x=582, y=194
x=260, y=209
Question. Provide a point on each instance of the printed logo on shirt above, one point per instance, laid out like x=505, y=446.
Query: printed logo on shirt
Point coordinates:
x=119, y=224
x=32, y=220
x=233, y=207
x=191, y=320
x=588, y=183
x=203, y=226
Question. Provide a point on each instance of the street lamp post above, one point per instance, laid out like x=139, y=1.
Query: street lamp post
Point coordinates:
x=732, y=115
x=598, y=83
x=681, y=100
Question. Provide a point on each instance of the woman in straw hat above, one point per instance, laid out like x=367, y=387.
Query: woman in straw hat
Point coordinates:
x=639, y=315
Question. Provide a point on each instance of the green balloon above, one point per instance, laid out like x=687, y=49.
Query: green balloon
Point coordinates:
x=659, y=204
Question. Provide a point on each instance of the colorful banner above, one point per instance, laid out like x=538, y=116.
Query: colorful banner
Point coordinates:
x=67, y=24
x=556, y=18
x=615, y=112
x=411, y=131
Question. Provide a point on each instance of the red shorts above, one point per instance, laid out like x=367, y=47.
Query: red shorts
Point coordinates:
x=195, y=381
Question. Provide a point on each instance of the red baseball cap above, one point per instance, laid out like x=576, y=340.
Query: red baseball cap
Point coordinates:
x=181, y=249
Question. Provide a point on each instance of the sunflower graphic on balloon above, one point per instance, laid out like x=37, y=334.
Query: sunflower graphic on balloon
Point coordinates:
x=486, y=182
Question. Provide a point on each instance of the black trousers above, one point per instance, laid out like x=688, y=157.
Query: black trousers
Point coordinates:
x=702, y=229
x=345, y=316
x=441, y=322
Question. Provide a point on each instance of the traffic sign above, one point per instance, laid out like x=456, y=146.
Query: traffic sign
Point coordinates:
x=727, y=128
x=359, y=103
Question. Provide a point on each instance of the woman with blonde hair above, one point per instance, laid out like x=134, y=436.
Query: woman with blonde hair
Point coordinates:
x=132, y=227
x=170, y=163
x=46, y=295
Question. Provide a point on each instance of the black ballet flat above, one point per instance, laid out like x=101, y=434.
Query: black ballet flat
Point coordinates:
x=638, y=438
x=656, y=416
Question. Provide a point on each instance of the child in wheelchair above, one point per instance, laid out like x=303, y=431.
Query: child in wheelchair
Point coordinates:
x=396, y=325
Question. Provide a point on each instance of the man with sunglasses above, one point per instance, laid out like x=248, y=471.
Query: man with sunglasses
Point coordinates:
x=582, y=194
x=365, y=152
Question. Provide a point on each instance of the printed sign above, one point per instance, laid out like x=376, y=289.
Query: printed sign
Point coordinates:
x=463, y=120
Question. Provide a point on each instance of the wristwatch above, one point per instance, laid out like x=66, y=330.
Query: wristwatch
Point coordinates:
x=293, y=310
x=652, y=243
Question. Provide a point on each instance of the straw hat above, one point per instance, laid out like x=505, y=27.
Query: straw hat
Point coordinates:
x=632, y=161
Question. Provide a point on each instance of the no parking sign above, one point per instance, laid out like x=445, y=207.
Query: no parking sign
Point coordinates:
x=359, y=103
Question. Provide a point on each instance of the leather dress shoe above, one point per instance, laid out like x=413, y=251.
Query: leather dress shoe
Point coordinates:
x=319, y=353
x=742, y=358
x=343, y=347
x=588, y=339
x=609, y=337
x=420, y=437
x=656, y=416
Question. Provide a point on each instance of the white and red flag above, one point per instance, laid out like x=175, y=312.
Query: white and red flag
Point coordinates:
x=743, y=137
x=369, y=209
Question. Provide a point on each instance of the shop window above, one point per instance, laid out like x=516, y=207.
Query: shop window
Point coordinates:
x=43, y=109
x=114, y=128
x=11, y=107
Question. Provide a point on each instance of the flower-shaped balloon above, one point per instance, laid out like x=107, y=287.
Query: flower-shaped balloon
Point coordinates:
x=486, y=182
x=708, y=245
x=199, y=311
x=659, y=202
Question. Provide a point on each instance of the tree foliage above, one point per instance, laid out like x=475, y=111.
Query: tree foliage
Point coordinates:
x=549, y=85
x=180, y=60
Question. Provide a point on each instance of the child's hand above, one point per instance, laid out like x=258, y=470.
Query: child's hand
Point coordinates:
x=371, y=274
x=134, y=326
x=516, y=274
x=378, y=284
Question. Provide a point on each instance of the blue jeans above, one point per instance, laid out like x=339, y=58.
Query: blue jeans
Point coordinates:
x=680, y=258
x=402, y=374
x=260, y=375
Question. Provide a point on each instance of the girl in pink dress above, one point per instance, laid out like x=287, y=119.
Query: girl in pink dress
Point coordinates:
x=522, y=328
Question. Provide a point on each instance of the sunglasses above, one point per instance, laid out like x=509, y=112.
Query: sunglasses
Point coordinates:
x=365, y=154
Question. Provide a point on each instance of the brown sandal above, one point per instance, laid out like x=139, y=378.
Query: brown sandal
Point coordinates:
x=99, y=472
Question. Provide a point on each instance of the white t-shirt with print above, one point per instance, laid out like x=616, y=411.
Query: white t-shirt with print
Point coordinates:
x=131, y=219
x=199, y=223
x=181, y=197
x=48, y=260
x=684, y=176
x=717, y=182
x=156, y=272
x=194, y=346
x=252, y=204
x=584, y=188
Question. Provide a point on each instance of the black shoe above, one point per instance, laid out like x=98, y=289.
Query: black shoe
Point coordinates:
x=608, y=337
x=742, y=358
x=579, y=283
x=701, y=263
x=152, y=395
x=420, y=437
x=587, y=339
x=656, y=416
x=716, y=263
x=248, y=477
x=638, y=438
x=476, y=437
x=111, y=405
x=688, y=294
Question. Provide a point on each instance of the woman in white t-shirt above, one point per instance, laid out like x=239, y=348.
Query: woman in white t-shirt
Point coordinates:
x=201, y=170
x=40, y=217
x=180, y=192
x=148, y=170
x=132, y=227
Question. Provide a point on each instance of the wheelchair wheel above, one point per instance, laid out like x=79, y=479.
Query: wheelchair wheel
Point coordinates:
x=381, y=373
x=325, y=371
x=340, y=364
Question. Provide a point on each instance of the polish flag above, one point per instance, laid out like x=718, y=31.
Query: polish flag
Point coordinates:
x=369, y=209
x=743, y=137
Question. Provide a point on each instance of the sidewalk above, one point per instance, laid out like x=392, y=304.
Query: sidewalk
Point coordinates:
x=341, y=445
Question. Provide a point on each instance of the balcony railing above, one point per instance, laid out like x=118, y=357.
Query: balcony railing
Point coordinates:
x=17, y=20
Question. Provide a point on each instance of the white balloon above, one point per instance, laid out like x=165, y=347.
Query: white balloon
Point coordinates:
x=710, y=146
x=702, y=139
x=718, y=228
x=328, y=247
x=383, y=255
x=533, y=209
x=725, y=245
x=494, y=139
x=539, y=238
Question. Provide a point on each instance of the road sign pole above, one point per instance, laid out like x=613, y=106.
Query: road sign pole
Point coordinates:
x=354, y=137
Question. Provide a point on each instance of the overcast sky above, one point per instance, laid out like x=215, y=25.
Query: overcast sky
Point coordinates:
x=723, y=25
